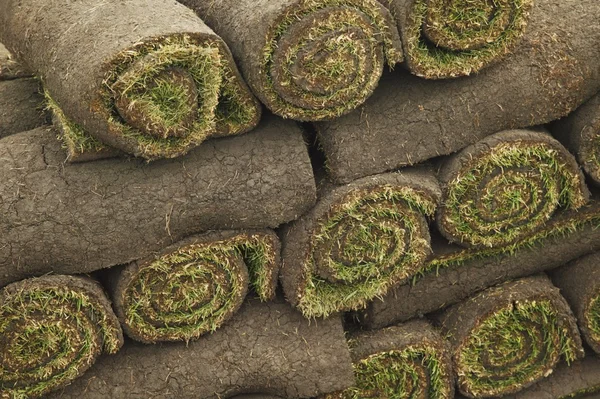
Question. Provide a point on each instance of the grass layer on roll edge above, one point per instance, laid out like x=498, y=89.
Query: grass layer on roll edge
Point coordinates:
x=223, y=109
x=561, y=187
x=398, y=374
x=432, y=62
x=588, y=393
x=354, y=96
x=45, y=344
x=179, y=318
x=592, y=316
x=499, y=338
x=319, y=297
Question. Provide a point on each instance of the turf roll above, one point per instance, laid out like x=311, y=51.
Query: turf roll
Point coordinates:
x=88, y=216
x=554, y=69
x=453, y=273
x=358, y=241
x=580, y=132
x=450, y=38
x=148, y=78
x=306, y=59
x=579, y=283
x=510, y=336
x=21, y=106
x=52, y=329
x=410, y=360
x=506, y=187
x=9, y=68
x=194, y=286
x=267, y=347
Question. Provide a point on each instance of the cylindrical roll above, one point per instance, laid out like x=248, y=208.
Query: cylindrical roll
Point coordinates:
x=358, y=241
x=21, y=106
x=194, y=286
x=410, y=360
x=52, y=330
x=506, y=187
x=148, y=78
x=88, y=216
x=580, y=132
x=450, y=38
x=508, y=337
x=579, y=282
x=266, y=347
x=9, y=68
x=306, y=59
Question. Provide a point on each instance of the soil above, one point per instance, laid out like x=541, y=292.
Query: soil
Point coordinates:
x=21, y=106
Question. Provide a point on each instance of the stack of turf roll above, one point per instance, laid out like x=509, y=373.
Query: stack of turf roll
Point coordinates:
x=295, y=199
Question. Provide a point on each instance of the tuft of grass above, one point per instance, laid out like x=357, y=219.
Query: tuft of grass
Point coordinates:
x=512, y=347
x=450, y=38
x=592, y=316
x=50, y=336
x=369, y=241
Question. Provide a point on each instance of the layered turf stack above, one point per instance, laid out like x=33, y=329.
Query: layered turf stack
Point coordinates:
x=406, y=361
x=508, y=337
x=53, y=329
x=194, y=286
x=306, y=59
x=580, y=132
x=84, y=217
x=148, y=78
x=450, y=38
x=266, y=347
x=552, y=71
x=358, y=241
x=579, y=282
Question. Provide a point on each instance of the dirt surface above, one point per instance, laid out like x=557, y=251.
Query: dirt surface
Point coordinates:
x=21, y=106
x=555, y=69
x=83, y=217
x=265, y=347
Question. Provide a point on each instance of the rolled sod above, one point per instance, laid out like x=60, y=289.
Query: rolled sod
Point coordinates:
x=580, y=380
x=358, y=241
x=580, y=132
x=450, y=38
x=454, y=273
x=306, y=59
x=551, y=72
x=195, y=285
x=579, y=283
x=148, y=78
x=21, y=106
x=83, y=217
x=52, y=329
x=506, y=187
x=410, y=360
x=9, y=68
x=266, y=347
x=508, y=337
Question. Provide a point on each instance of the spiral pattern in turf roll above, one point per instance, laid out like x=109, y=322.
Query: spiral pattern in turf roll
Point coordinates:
x=506, y=187
x=52, y=330
x=449, y=38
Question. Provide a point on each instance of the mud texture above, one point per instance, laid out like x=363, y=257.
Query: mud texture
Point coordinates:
x=554, y=70
x=358, y=241
x=306, y=59
x=580, y=132
x=194, y=286
x=83, y=217
x=266, y=347
x=53, y=330
x=579, y=283
x=454, y=274
x=9, y=68
x=21, y=106
x=114, y=68
x=508, y=337
x=506, y=187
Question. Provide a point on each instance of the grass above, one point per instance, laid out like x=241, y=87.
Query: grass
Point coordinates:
x=370, y=240
x=592, y=317
x=462, y=37
x=195, y=289
x=50, y=336
x=513, y=346
x=327, y=69
x=412, y=372
x=508, y=193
